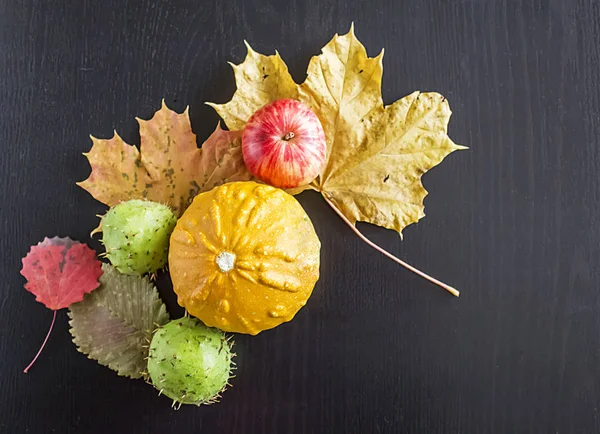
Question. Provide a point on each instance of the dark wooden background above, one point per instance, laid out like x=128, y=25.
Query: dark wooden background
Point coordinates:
x=514, y=222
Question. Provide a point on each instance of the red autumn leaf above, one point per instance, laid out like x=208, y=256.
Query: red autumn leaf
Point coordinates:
x=59, y=272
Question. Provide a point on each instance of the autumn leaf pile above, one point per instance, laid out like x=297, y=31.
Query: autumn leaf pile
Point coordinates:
x=376, y=155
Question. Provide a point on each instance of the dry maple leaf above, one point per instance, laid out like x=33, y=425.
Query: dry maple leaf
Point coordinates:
x=169, y=167
x=59, y=272
x=259, y=79
x=376, y=154
x=114, y=324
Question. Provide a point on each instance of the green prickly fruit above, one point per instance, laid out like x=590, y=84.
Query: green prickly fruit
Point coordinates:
x=189, y=362
x=136, y=235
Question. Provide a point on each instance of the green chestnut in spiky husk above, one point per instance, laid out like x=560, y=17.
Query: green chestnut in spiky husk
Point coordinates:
x=189, y=362
x=136, y=235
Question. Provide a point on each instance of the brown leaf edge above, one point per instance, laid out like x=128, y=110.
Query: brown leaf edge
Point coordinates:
x=92, y=306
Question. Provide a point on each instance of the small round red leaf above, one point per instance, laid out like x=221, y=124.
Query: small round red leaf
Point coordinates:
x=60, y=271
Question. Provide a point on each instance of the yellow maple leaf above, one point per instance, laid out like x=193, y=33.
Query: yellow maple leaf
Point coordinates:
x=169, y=168
x=259, y=79
x=376, y=154
x=379, y=178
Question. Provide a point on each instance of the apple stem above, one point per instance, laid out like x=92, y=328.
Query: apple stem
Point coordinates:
x=43, y=344
x=288, y=136
x=448, y=288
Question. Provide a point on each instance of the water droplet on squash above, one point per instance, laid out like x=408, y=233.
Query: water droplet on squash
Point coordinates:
x=190, y=223
x=240, y=194
x=182, y=236
x=224, y=306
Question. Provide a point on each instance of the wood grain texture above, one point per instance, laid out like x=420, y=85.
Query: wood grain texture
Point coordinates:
x=514, y=223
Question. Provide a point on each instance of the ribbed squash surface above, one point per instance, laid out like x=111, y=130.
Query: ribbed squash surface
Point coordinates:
x=244, y=257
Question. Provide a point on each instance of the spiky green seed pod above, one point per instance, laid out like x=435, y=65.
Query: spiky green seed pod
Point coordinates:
x=136, y=235
x=189, y=362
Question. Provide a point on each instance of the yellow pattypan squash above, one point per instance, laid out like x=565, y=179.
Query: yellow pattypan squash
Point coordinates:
x=244, y=257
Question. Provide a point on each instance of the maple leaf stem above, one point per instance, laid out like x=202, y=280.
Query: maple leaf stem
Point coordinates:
x=43, y=345
x=448, y=288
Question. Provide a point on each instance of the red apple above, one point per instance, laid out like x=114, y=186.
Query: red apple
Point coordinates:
x=283, y=144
